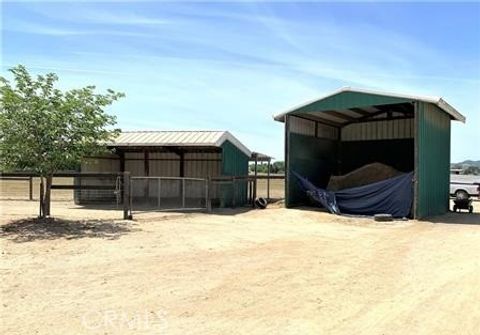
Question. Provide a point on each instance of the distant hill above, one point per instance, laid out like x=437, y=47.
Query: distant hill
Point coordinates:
x=468, y=167
x=469, y=162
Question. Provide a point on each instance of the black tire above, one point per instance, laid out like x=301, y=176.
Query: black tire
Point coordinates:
x=261, y=203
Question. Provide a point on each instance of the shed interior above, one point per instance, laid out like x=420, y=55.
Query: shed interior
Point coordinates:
x=336, y=141
x=354, y=127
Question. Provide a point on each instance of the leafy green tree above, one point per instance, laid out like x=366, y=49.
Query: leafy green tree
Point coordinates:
x=278, y=167
x=45, y=130
x=262, y=167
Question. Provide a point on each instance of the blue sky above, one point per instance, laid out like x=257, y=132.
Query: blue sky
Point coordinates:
x=224, y=65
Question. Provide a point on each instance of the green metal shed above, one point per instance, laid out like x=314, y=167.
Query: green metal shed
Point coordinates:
x=353, y=127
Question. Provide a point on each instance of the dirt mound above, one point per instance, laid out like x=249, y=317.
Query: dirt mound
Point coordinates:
x=367, y=174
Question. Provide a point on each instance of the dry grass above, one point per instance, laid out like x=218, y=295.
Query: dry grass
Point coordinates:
x=275, y=271
x=19, y=189
x=277, y=188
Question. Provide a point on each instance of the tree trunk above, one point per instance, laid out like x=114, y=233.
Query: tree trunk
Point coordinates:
x=48, y=192
x=42, y=202
x=45, y=196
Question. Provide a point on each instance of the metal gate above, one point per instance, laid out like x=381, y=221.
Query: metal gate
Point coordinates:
x=168, y=193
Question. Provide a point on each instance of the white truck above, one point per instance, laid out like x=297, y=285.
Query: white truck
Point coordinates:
x=464, y=185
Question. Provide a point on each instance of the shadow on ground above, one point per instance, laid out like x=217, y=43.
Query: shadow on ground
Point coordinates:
x=457, y=218
x=27, y=230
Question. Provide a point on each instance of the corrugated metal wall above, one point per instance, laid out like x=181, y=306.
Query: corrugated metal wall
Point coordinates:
x=432, y=160
x=379, y=130
x=234, y=163
x=160, y=164
x=163, y=164
x=203, y=164
x=312, y=128
x=312, y=151
x=167, y=164
x=134, y=163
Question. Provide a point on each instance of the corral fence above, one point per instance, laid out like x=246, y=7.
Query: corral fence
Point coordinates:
x=122, y=192
x=168, y=193
x=17, y=187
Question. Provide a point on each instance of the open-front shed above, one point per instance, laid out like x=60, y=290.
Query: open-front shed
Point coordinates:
x=351, y=128
x=176, y=155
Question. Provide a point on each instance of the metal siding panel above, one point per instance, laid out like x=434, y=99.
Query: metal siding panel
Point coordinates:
x=302, y=126
x=164, y=168
x=324, y=131
x=136, y=168
x=202, y=164
x=433, y=170
x=234, y=163
x=378, y=130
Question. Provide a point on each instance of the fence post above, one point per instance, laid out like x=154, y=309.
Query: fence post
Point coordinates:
x=126, y=196
x=268, y=180
x=41, y=197
x=30, y=184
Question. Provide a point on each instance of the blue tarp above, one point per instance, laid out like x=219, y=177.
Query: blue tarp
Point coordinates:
x=391, y=196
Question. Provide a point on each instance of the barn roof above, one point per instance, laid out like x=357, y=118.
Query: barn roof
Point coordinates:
x=177, y=138
x=350, y=104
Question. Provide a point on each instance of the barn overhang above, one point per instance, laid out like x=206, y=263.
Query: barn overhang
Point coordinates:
x=348, y=105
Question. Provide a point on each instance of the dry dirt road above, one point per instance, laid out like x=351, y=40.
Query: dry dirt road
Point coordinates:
x=275, y=271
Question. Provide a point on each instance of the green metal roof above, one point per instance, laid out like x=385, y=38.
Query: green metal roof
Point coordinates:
x=347, y=104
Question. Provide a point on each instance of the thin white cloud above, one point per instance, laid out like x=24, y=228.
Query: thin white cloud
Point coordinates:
x=204, y=75
x=50, y=30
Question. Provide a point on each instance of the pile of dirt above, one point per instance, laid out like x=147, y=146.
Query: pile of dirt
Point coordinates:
x=367, y=174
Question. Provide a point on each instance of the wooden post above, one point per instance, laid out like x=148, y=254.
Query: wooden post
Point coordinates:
x=250, y=190
x=30, y=189
x=127, y=210
x=268, y=180
x=287, y=161
x=255, y=182
x=41, y=198
x=182, y=163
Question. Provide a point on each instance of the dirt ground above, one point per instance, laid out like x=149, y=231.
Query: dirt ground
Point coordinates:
x=273, y=271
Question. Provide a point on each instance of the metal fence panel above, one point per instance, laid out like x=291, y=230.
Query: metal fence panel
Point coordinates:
x=168, y=193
